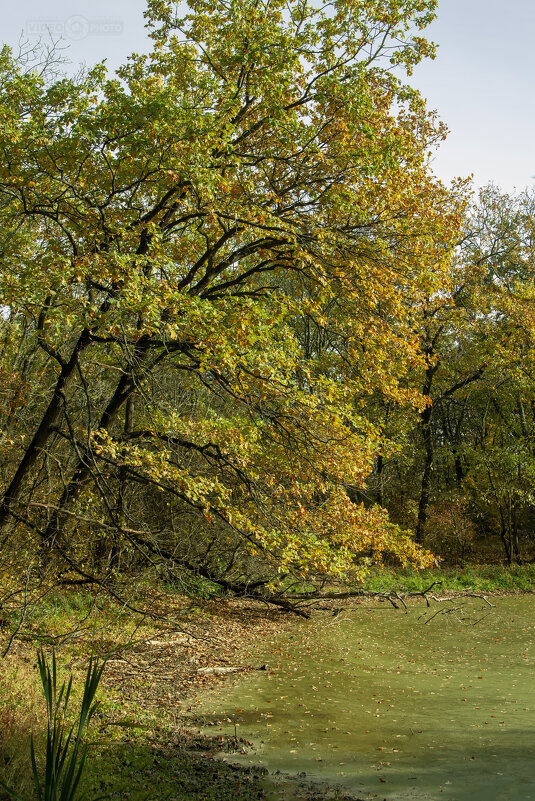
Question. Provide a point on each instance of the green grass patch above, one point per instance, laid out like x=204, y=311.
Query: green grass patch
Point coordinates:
x=136, y=749
x=481, y=578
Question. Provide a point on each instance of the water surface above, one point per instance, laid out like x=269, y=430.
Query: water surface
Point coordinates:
x=396, y=706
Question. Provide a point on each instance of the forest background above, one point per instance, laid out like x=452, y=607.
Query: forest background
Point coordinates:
x=249, y=340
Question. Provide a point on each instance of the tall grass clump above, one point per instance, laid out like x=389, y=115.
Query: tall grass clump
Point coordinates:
x=66, y=747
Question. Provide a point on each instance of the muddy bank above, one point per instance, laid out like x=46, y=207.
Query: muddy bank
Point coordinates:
x=205, y=771
x=166, y=674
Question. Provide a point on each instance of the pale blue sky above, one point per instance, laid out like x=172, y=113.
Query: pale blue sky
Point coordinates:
x=481, y=83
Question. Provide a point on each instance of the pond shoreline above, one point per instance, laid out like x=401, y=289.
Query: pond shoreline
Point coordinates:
x=156, y=683
x=233, y=630
x=282, y=785
x=216, y=753
x=213, y=767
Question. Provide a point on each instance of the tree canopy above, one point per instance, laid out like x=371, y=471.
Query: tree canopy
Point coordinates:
x=210, y=263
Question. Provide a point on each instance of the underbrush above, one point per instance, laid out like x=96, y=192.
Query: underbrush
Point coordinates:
x=19, y=715
x=77, y=625
x=138, y=745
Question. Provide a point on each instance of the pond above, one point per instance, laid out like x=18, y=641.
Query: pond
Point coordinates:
x=430, y=704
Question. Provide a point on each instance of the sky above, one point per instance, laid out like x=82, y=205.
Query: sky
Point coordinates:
x=481, y=83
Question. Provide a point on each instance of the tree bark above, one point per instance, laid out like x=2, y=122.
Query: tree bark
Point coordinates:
x=425, y=488
x=82, y=471
x=43, y=431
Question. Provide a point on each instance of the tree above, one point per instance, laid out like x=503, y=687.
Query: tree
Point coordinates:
x=499, y=461
x=208, y=264
x=466, y=458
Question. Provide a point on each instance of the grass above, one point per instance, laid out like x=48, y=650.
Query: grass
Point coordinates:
x=481, y=578
x=19, y=715
x=137, y=748
x=66, y=748
x=77, y=624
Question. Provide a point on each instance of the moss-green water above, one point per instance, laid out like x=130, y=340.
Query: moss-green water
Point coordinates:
x=394, y=705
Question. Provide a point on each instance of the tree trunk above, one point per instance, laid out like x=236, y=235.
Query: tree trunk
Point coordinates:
x=425, y=489
x=381, y=480
x=82, y=471
x=504, y=538
x=425, y=427
x=43, y=431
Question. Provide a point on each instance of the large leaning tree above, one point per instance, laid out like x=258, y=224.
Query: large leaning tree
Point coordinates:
x=207, y=265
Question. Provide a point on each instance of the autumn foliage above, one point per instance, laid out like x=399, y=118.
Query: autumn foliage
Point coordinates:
x=209, y=264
